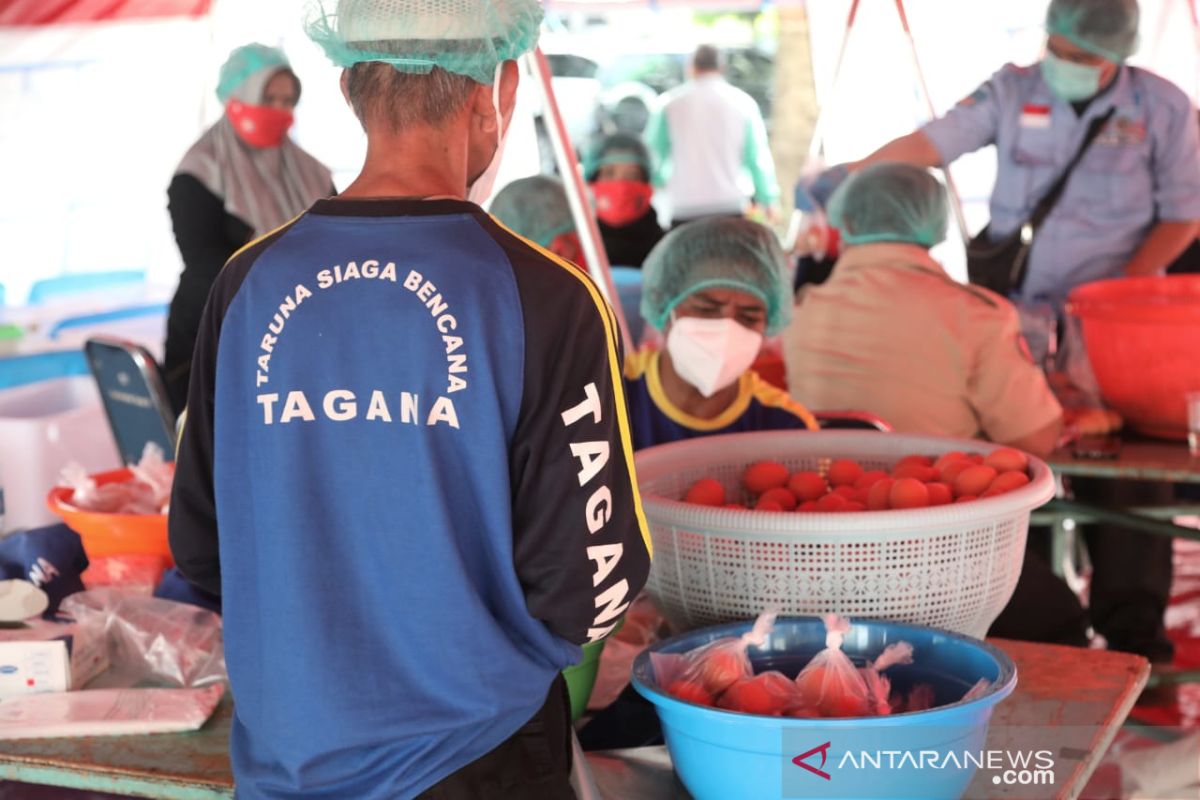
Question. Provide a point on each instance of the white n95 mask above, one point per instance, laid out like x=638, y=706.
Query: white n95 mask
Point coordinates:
x=711, y=354
x=481, y=190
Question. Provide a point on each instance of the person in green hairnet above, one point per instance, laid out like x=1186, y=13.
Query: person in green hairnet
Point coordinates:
x=617, y=168
x=406, y=465
x=1132, y=204
x=242, y=179
x=714, y=288
x=890, y=333
x=537, y=208
x=1130, y=207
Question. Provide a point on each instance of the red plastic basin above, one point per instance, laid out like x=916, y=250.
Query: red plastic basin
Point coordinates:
x=1143, y=338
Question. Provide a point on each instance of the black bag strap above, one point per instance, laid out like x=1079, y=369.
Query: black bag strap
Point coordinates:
x=1047, y=203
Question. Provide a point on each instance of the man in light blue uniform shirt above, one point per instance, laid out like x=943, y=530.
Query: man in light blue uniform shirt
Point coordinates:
x=1131, y=206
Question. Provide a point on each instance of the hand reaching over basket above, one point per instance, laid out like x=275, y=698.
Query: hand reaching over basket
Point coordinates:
x=915, y=481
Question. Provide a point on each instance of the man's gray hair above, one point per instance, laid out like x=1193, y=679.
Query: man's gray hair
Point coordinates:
x=402, y=99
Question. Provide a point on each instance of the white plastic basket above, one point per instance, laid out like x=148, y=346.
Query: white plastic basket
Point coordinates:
x=951, y=567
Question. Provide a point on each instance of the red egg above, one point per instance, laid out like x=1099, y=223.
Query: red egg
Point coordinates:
x=1007, y=481
x=974, y=480
x=952, y=470
x=869, y=479
x=848, y=492
x=721, y=668
x=845, y=472
x=832, y=502
x=940, y=494
x=706, y=492
x=767, y=694
x=975, y=458
x=946, y=459
x=879, y=497
x=855, y=505
x=764, y=475
x=919, y=461
x=812, y=684
x=767, y=505
x=691, y=692
x=966, y=498
x=918, y=472
x=1007, y=459
x=808, y=485
x=781, y=496
x=808, y=505
x=908, y=493
x=736, y=507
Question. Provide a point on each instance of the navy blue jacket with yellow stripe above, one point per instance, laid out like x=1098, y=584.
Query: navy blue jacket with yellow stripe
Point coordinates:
x=407, y=468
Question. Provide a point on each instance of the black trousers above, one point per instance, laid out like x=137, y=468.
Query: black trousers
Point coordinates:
x=1130, y=585
x=533, y=764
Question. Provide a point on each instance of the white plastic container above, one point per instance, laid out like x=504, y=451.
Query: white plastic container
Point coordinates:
x=43, y=427
x=951, y=567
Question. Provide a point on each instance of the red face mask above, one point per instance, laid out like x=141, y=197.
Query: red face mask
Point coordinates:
x=619, y=203
x=259, y=126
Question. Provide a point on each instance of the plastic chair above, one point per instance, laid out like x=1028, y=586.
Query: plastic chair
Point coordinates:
x=851, y=420
x=23, y=370
x=116, y=315
x=134, y=395
x=628, y=281
x=82, y=283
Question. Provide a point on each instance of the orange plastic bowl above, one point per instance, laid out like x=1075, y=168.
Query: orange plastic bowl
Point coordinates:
x=112, y=534
x=1142, y=336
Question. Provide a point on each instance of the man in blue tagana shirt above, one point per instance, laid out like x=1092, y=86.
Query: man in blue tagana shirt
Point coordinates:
x=406, y=466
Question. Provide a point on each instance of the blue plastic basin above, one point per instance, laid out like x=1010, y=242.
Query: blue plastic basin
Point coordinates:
x=724, y=755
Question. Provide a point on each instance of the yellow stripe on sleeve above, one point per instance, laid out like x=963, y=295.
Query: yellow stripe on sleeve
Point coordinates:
x=615, y=370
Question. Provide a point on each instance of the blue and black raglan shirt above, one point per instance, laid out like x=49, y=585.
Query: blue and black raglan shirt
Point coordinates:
x=759, y=406
x=407, y=469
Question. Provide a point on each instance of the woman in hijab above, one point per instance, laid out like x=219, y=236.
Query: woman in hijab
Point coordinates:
x=617, y=168
x=241, y=180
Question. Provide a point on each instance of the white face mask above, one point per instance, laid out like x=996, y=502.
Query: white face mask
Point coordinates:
x=711, y=354
x=481, y=190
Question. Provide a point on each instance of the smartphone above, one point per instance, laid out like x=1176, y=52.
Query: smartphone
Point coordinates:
x=1098, y=447
x=134, y=395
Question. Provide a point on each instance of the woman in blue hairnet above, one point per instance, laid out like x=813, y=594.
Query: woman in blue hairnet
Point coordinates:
x=617, y=169
x=242, y=179
x=715, y=288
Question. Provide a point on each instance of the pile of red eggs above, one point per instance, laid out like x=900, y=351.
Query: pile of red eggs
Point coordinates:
x=914, y=482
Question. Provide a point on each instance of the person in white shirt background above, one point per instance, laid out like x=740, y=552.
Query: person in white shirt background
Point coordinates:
x=709, y=144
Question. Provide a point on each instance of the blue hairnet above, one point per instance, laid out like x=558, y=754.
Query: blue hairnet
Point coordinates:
x=244, y=62
x=890, y=202
x=535, y=208
x=617, y=148
x=728, y=252
x=466, y=37
x=1107, y=28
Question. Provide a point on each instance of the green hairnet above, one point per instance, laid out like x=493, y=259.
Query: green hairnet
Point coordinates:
x=244, y=62
x=535, y=208
x=890, y=202
x=617, y=148
x=1107, y=28
x=460, y=36
x=728, y=252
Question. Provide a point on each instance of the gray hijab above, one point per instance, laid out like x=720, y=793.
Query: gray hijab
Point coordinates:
x=264, y=187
